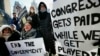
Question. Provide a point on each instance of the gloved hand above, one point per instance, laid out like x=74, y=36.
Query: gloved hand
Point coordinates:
x=46, y=54
x=96, y=43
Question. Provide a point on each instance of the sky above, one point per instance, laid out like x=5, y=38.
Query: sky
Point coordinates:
x=27, y=3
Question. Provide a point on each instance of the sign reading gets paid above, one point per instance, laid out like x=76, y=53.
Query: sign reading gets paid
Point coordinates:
x=76, y=25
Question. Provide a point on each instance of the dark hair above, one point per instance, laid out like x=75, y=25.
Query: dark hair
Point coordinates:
x=40, y=5
x=31, y=14
x=30, y=22
x=14, y=13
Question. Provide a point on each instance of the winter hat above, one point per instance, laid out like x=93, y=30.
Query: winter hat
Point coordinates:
x=3, y=27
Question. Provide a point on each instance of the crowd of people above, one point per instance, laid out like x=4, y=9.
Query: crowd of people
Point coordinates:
x=37, y=25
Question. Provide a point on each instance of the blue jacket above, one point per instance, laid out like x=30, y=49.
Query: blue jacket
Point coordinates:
x=15, y=22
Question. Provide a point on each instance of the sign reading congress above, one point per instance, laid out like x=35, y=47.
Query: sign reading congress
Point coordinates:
x=76, y=25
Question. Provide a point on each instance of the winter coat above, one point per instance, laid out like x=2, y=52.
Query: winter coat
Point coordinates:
x=28, y=35
x=45, y=26
x=3, y=49
x=15, y=36
x=15, y=22
x=34, y=19
x=45, y=29
x=46, y=32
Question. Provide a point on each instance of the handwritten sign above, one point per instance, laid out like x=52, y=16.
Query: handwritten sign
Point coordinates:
x=76, y=25
x=30, y=47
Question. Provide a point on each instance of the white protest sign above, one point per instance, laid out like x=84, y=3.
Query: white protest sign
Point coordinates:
x=76, y=25
x=30, y=47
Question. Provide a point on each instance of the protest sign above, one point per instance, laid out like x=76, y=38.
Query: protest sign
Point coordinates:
x=76, y=25
x=30, y=47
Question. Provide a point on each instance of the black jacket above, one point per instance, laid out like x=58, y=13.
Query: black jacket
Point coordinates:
x=15, y=36
x=46, y=26
x=35, y=20
x=3, y=49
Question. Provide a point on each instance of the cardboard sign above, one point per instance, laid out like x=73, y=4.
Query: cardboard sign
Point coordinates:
x=30, y=47
x=76, y=25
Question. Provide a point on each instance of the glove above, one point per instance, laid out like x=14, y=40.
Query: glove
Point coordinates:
x=46, y=54
x=96, y=43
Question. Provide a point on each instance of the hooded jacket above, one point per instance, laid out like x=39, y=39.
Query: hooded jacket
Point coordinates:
x=45, y=23
x=3, y=49
x=14, y=35
x=46, y=29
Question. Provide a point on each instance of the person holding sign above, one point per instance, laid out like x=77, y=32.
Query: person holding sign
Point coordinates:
x=6, y=35
x=46, y=28
x=28, y=32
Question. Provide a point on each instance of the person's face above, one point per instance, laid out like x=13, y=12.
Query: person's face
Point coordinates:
x=14, y=15
x=32, y=9
x=42, y=7
x=27, y=27
x=6, y=31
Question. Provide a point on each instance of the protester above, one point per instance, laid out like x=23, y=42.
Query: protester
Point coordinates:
x=46, y=28
x=28, y=32
x=8, y=34
x=32, y=16
x=14, y=21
